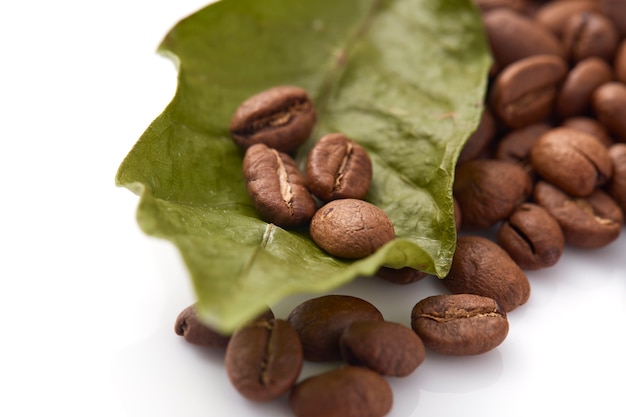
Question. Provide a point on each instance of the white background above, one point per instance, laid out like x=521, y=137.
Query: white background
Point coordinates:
x=88, y=303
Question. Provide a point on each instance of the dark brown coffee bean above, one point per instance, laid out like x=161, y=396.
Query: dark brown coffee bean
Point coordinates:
x=478, y=142
x=616, y=11
x=337, y=167
x=513, y=37
x=459, y=324
x=590, y=126
x=391, y=349
x=351, y=228
x=524, y=92
x=280, y=117
x=617, y=185
x=574, y=98
x=197, y=333
x=588, y=34
x=349, y=391
x=515, y=146
x=400, y=276
x=609, y=105
x=482, y=267
x=572, y=160
x=532, y=237
x=276, y=187
x=619, y=64
x=590, y=222
x=320, y=322
x=554, y=14
x=488, y=190
x=263, y=359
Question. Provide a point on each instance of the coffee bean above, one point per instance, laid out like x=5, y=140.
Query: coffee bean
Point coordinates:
x=276, y=187
x=617, y=185
x=459, y=324
x=281, y=117
x=488, y=190
x=574, y=98
x=515, y=145
x=572, y=160
x=337, y=167
x=587, y=222
x=532, y=237
x=590, y=126
x=524, y=92
x=320, y=321
x=478, y=142
x=263, y=359
x=388, y=348
x=589, y=34
x=197, y=333
x=554, y=14
x=609, y=105
x=348, y=391
x=351, y=228
x=401, y=276
x=481, y=267
x=620, y=62
x=513, y=36
x=616, y=11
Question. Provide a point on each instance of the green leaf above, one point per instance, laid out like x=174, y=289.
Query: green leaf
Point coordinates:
x=404, y=78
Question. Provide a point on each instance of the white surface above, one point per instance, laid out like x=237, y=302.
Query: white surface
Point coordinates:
x=87, y=302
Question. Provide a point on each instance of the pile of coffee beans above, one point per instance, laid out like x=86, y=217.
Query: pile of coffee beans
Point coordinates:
x=546, y=168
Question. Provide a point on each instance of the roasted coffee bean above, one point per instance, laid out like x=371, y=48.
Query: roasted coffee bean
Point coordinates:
x=572, y=160
x=402, y=276
x=616, y=11
x=590, y=222
x=391, y=349
x=481, y=267
x=280, y=117
x=617, y=185
x=349, y=391
x=264, y=359
x=513, y=37
x=351, y=228
x=620, y=62
x=554, y=14
x=590, y=126
x=589, y=34
x=515, y=146
x=478, y=142
x=459, y=324
x=574, y=98
x=276, y=187
x=320, y=322
x=532, y=237
x=488, y=190
x=337, y=167
x=197, y=333
x=609, y=105
x=524, y=92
